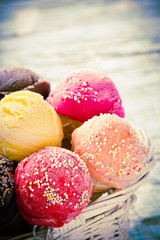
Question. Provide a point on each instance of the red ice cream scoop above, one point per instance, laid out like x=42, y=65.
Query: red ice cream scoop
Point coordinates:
x=52, y=187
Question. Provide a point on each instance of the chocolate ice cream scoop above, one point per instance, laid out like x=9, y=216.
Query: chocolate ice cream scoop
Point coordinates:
x=8, y=206
x=18, y=78
x=11, y=221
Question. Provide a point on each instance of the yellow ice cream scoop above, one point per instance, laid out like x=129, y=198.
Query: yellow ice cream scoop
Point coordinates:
x=27, y=124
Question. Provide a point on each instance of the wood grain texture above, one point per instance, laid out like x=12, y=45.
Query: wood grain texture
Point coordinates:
x=120, y=38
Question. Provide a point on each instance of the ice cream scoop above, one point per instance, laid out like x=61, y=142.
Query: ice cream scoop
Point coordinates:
x=11, y=221
x=82, y=94
x=112, y=149
x=52, y=187
x=27, y=123
x=8, y=206
x=19, y=78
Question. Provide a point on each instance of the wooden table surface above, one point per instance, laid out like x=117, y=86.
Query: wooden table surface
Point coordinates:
x=121, y=38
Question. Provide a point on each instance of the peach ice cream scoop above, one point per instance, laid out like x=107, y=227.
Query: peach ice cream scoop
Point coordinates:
x=52, y=187
x=112, y=149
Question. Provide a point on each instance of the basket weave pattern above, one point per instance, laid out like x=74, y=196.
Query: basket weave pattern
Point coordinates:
x=112, y=222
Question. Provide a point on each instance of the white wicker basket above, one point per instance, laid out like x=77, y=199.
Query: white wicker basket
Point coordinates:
x=107, y=217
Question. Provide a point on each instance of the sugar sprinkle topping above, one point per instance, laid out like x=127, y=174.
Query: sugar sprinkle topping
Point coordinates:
x=126, y=151
x=86, y=92
x=72, y=167
x=6, y=178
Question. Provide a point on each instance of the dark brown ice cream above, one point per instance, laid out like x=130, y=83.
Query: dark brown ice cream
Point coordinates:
x=11, y=221
x=18, y=78
x=8, y=207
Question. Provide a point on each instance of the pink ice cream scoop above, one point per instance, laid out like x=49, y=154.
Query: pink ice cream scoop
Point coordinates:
x=52, y=187
x=85, y=93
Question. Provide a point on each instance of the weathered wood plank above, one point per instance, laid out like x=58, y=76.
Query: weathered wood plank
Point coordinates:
x=119, y=37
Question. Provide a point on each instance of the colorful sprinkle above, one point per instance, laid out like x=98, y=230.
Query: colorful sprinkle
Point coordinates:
x=6, y=179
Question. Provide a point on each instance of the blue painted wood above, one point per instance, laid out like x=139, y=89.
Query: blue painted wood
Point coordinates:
x=121, y=38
